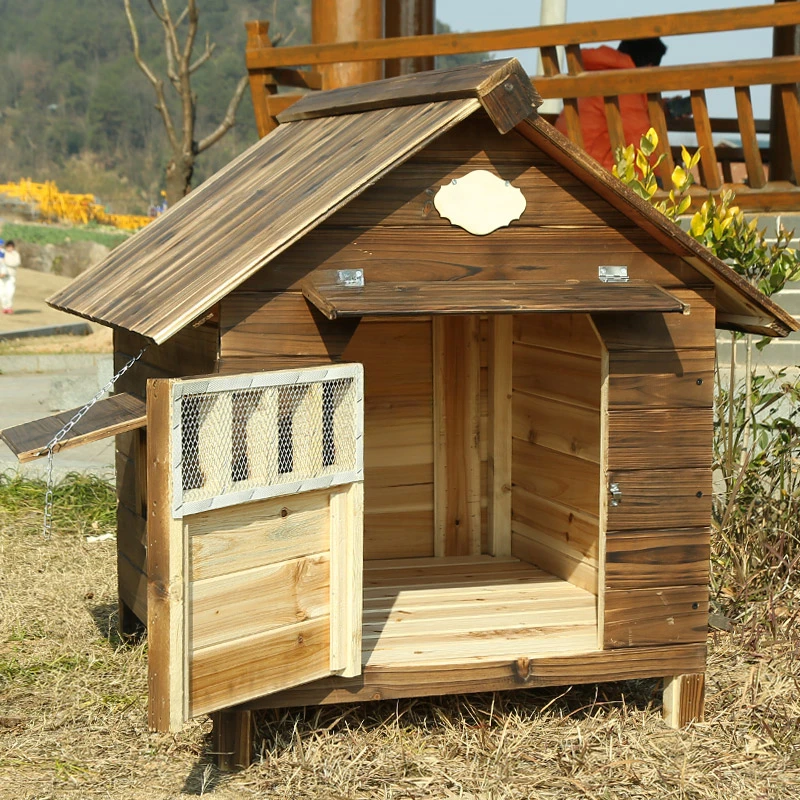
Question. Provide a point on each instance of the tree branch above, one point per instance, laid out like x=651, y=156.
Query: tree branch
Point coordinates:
x=194, y=15
x=229, y=120
x=203, y=58
x=171, y=41
x=158, y=85
x=155, y=10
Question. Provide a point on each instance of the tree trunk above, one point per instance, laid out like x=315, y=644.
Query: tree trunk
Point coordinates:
x=179, y=179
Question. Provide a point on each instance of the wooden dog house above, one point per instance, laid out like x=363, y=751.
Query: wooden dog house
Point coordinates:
x=518, y=494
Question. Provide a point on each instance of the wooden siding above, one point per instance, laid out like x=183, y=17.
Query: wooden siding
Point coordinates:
x=263, y=330
x=193, y=351
x=274, y=555
x=565, y=232
x=384, y=683
x=556, y=447
x=660, y=395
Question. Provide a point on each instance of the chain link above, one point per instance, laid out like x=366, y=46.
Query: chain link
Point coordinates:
x=59, y=437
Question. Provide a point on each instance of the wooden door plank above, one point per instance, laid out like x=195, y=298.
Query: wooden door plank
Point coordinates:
x=167, y=660
x=232, y=606
x=347, y=564
x=456, y=426
x=233, y=672
x=501, y=331
x=237, y=538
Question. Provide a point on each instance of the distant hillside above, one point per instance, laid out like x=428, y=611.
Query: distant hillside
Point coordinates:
x=75, y=108
x=73, y=103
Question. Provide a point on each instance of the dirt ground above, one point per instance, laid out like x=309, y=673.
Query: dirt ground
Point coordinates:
x=73, y=713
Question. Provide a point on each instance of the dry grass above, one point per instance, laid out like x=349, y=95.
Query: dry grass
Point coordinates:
x=99, y=341
x=73, y=708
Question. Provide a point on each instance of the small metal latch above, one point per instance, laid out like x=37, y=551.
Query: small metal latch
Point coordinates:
x=613, y=274
x=616, y=494
x=350, y=277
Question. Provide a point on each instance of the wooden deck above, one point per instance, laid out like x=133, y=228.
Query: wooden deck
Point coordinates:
x=471, y=609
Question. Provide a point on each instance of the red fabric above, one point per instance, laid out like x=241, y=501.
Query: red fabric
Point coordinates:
x=633, y=108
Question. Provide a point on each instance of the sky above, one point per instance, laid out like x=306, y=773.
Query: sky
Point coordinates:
x=476, y=15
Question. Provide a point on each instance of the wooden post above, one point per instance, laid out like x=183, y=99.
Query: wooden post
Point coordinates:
x=347, y=21
x=456, y=431
x=784, y=43
x=262, y=82
x=166, y=629
x=684, y=699
x=232, y=739
x=501, y=334
x=409, y=18
x=347, y=563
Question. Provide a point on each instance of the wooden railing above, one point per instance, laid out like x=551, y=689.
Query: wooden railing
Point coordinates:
x=273, y=67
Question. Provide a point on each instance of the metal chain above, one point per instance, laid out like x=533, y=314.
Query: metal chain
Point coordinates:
x=48, y=497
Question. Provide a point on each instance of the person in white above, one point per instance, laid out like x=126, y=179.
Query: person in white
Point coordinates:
x=8, y=277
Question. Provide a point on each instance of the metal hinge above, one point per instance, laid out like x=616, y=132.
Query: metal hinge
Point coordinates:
x=616, y=494
x=613, y=274
x=353, y=278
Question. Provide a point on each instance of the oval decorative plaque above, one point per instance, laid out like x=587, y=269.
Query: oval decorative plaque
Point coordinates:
x=480, y=202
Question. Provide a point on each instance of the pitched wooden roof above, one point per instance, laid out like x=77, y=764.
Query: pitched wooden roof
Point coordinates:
x=331, y=147
x=254, y=208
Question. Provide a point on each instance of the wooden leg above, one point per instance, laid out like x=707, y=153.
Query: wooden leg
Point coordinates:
x=684, y=699
x=232, y=739
x=128, y=625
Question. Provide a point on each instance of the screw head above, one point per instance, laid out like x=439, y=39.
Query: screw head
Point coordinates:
x=698, y=494
x=699, y=381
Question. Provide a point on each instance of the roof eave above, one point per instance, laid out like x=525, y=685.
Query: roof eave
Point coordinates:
x=753, y=311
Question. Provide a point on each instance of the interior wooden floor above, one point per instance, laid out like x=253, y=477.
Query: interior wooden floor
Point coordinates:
x=451, y=610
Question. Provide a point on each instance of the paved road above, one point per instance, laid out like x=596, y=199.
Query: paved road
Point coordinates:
x=35, y=386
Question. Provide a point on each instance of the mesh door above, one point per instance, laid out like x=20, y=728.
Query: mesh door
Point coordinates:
x=262, y=435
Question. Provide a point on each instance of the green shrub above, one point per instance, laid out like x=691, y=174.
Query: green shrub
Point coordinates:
x=51, y=234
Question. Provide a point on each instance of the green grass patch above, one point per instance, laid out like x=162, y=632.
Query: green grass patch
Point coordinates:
x=52, y=234
x=76, y=499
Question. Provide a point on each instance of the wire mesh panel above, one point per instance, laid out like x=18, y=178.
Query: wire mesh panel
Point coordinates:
x=262, y=435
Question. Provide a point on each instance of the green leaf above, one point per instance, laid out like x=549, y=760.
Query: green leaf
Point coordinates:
x=648, y=143
x=698, y=225
x=679, y=177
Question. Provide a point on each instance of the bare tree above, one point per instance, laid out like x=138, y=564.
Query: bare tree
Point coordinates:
x=180, y=68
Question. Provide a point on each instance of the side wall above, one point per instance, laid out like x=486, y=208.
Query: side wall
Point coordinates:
x=557, y=377
x=660, y=420
x=274, y=330
x=193, y=351
x=393, y=233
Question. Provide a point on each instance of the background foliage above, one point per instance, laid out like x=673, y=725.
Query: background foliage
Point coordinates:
x=74, y=107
